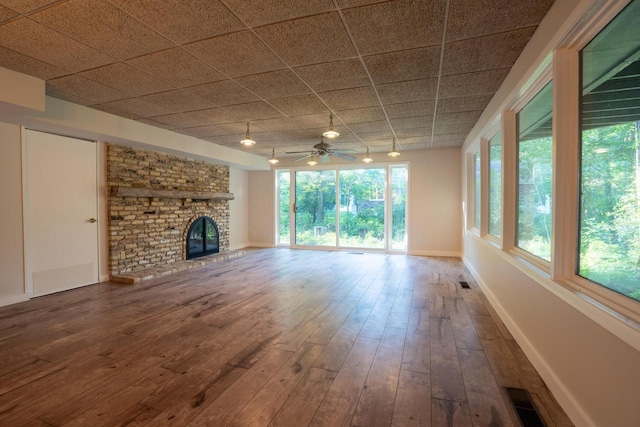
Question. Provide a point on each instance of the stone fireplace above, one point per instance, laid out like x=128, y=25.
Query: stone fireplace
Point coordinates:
x=154, y=201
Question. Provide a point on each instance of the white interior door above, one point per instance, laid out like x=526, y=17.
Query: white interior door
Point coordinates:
x=60, y=212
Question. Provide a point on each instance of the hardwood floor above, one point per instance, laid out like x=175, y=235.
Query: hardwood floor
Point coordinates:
x=276, y=338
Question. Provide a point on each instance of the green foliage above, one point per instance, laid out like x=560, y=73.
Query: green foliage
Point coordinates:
x=610, y=208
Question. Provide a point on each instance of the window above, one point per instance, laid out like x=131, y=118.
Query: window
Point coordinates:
x=609, y=232
x=476, y=191
x=283, y=192
x=535, y=150
x=399, y=182
x=495, y=186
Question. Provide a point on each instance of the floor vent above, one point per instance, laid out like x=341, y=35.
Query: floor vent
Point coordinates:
x=356, y=253
x=465, y=285
x=524, y=407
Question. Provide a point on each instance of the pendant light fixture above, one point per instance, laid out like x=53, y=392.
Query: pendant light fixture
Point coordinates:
x=393, y=152
x=247, y=141
x=331, y=133
x=273, y=159
x=312, y=161
x=367, y=159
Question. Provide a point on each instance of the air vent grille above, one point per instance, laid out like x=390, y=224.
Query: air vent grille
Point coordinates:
x=464, y=285
x=524, y=407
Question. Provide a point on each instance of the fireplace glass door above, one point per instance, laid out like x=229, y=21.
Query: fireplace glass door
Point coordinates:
x=202, y=238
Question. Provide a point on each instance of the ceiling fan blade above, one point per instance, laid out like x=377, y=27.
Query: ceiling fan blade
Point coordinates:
x=343, y=150
x=304, y=157
x=344, y=156
x=324, y=158
x=296, y=152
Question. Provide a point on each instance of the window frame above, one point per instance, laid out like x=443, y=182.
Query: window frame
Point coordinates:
x=495, y=130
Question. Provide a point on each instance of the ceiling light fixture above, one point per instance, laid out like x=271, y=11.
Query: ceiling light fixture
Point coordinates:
x=331, y=133
x=312, y=161
x=393, y=152
x=247, y=138
x=367, y=159
x=273, y=159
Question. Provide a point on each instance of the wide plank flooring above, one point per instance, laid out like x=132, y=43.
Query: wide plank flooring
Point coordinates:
x=276, y=338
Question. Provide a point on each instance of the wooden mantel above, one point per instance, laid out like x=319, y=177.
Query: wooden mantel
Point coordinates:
x=160, y=193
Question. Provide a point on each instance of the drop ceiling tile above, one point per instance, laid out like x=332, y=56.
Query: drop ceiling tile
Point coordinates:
x=127, y=79
x=275, y=84
x=345, y=134
x=177, y=67
x=183, y=21
x=237, y=128
x=361, y=115
x=479, y=53
x=237, y=54
x=352, y=3
x=253, y=111
x=424, y=132
x=457, y=138
x=404, y=65
x=178, y=101
x=77, y=85
x=140, y=107
x=310, y=40
x=260, y=12
x=26, y=6
x=385, y=136
x=211, y=116
x=453, y=129
x=56, y=93
x=224, y=92
x=412, y=122
x=103, y=27
x=478, y=83
x=300, y=105
x=379, y=140
x=458, y=118
x=203, y=131
x=133, y=108
x=414, y=141
x=412, y=90
x=393, y=25
x=317, y=120
x=410, y=109
x=347, y=99
x=278, y=124
x=6, y=13
x=335, y=75
x=463, y=103
x=155, y=123
x=25, y=64
x=30, y=38
x=472, y=18
x=368, y=127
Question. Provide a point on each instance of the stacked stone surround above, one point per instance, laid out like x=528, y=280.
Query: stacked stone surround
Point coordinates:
x=145, y=232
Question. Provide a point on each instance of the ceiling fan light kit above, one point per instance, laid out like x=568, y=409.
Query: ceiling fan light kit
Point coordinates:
x=312, y=161
x=247, y=141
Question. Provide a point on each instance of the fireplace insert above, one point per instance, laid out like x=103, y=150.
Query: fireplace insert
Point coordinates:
x=202, y=238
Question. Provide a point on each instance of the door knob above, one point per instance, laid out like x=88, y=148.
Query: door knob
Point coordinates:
x=92, y=220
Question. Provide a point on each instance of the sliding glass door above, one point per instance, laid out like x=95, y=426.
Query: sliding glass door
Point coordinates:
x=315, y=208
x=363, y=208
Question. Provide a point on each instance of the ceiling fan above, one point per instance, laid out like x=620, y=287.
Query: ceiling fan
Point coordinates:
x=323, y=150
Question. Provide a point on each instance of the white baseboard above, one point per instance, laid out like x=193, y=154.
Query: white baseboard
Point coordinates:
x=260, y=245
x=564, y=397
x=14, y=299
x=436, y=253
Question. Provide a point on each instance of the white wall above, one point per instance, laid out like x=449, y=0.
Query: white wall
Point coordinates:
x=239, y=209
x=11, y=241
x=262, y=208
x=434, y=201
x=588, y=357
